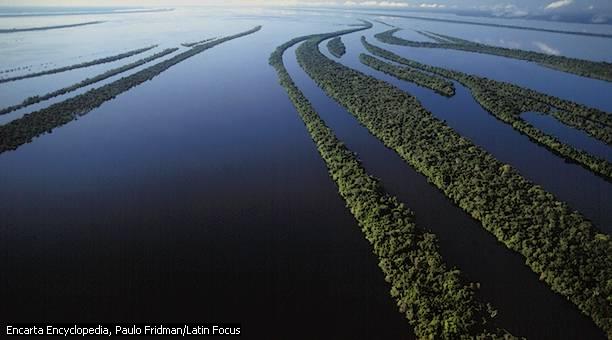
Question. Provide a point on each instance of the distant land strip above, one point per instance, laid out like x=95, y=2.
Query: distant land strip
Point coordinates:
x=37, y=99
x=45, y=28
x=586, y=68
x=191, y=44
x=25, y=129
x=454, y=21
x=384, y=23
x=52, y=14
x=81, y=65
x=432, y=82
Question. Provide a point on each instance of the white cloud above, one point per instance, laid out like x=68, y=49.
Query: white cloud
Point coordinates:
x=559, y=4
x=377, y=4
x=508, y=11
x=431, y=5
x=546, y=48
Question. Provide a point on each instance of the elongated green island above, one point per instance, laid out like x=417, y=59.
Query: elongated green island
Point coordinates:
x=436, y=300
x=23, y=130
x=336, y=47
x=507, y=102
x=45, y=28
x=88, y=81
x=592, y=69
x=80, y=65
x=191, y=44
x=559, y=244
x=440, y=85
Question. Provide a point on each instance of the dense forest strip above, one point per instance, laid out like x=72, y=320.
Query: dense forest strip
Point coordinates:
x=440, y=85
x=86, y=82
x=558, y=243
x=454, y=21
x=437, y=301
x=597, y=70
x=191, y=44
x=384, y=23
x=85, y=12
x=507, y=102
x=44, y=28
x=336, y=47
x=80, y=65
x=24, y=129
x=445, y=38
x=434, y=37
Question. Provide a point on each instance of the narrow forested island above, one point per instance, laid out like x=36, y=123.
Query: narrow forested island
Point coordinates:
x=507, y=102
x=437, y=301
x=88, y=81
x=598, y=70
x=559, y=244
x=80, y=65
x=440, y=85
x=45, y=28
x=336, y=47
x=23, y=130
x=191, y=44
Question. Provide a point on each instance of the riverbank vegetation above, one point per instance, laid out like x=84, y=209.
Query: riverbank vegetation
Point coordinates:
x=45, y=28
x=336, y=47
x=80, y=65
x=384, y=23
x=558, y=243
x=86, y=82
x=23, y=130
x=440, y=85
x=436, y=300
x=191, y=44
x=507, y=102
x=586, y=68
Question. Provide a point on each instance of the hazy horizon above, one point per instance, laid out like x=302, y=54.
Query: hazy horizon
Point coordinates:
x=588, y=11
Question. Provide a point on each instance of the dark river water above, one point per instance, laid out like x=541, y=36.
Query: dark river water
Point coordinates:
x=199, y=196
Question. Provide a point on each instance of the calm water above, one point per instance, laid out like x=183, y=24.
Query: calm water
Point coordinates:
x=578, y=139
x=177, y=202
x=200, y=196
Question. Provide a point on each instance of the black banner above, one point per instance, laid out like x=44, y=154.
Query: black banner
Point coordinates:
x=122, y=329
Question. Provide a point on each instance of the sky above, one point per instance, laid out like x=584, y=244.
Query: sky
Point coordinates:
x=502, y=8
